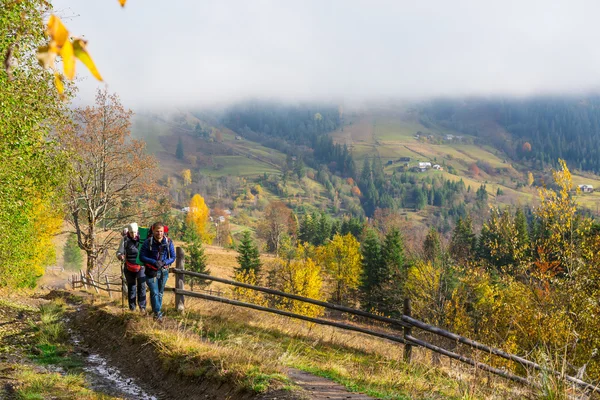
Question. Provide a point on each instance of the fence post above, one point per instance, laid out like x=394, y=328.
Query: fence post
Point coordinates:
x=94, y=284
x=108, y=287
x=179, y=264
x=407, y=332
x=83, y=281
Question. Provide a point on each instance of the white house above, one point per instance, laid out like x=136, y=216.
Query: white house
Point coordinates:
x=449, y=137
x=438, y=167
x=586, y=188
x=424, y=165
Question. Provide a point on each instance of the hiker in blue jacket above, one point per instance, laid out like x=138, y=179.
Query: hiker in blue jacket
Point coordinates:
x=157, y=254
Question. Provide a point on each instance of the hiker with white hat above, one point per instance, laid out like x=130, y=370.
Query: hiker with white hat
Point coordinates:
x=134, y=273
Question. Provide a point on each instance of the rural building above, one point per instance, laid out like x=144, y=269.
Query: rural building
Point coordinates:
x=586, y=188
x=238, y=137
x=424, y=165
x=438, y=167
x=390, y=162
x=404, y=159
x=449, y=137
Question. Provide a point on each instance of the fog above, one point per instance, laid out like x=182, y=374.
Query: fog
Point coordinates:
x=194, y=52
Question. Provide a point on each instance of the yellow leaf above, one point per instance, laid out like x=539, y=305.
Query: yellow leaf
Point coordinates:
x=59, y=84
x=57, y=31
x=68, y=60
x=122, y=2
x=82, y=54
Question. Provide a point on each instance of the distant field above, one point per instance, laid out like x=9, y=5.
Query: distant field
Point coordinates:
x=149, y=130
x=238, y=166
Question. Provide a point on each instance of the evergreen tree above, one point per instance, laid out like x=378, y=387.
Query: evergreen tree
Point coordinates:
x=249, y=257
x=372, y=266
x=393, y=273
x=179, y=152
x=195, y=259
x=464, y=242
x=72, y=253
x=522, y=231
x=432, y=249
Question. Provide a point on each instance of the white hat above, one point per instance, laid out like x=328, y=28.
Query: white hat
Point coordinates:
x=133, y=228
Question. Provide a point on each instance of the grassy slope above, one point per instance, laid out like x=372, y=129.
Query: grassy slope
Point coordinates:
x=254, y=349
x=392, y=136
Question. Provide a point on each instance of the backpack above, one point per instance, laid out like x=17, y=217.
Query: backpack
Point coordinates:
x=146, y=233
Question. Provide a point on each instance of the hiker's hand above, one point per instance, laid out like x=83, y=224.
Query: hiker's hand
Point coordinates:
x=160, y=264
x=121, y=257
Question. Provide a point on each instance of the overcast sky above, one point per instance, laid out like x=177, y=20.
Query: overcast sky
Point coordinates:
x=197, y=52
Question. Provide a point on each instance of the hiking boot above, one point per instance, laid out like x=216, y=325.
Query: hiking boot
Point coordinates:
x=143, y=311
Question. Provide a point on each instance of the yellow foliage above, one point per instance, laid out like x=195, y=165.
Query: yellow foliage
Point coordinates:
x=342, y=260
x=198, y=216
x=48, y=220
x=300, y=276
x=248, y=295
x=61, y=44
x=186, y=175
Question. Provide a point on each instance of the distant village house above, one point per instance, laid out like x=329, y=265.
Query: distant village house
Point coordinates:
x=586, y=188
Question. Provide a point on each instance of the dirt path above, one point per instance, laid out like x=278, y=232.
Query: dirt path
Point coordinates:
x=318, y=388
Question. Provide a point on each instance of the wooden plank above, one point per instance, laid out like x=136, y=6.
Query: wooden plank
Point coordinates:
x=407, y=332
x=290, y=314
x=179, y=279
x=393, y=321
x=469, y=361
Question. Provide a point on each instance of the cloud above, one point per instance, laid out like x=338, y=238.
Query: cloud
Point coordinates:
x=203, y=52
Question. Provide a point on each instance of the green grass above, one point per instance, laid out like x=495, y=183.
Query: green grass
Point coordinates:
x=238, y=166
x=149, y=130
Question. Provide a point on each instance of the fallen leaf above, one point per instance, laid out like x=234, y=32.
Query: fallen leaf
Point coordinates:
x=122, y=2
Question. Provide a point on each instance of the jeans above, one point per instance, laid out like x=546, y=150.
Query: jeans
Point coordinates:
x=136, y=285
x=156, y=285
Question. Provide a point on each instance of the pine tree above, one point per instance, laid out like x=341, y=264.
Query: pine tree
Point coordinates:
x=249, y=257
x=372, y=265
x=522, y=231
x=195, y=259
x=72, y=253
x=393, y=274
x=432, y=247
x=179, y=151
x=463, y=241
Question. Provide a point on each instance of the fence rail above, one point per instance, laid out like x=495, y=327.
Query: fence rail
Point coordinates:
x=406, y=322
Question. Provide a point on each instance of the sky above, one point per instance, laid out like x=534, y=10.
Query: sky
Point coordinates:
x=190, y=53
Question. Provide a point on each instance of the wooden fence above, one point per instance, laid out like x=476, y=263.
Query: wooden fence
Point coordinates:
x=406, y=323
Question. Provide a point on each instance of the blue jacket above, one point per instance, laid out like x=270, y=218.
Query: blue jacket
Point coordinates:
x=152, y=251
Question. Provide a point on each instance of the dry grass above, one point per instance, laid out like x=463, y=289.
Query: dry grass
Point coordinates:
x=246, y=340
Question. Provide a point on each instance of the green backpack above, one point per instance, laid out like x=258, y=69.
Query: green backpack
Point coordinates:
x=143, y=234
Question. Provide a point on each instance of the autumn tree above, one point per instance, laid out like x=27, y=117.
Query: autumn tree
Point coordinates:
x=474, y=169
x=186, y=175
x=113, y=181
x=530, y=179
x=277, y=222
x=299, y=275
x=198, y=217
x=33, y=166
x=343, y=262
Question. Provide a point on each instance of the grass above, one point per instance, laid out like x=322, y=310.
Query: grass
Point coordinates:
x=149, y=130
x=36, y=386
x=239, y=166
x=253, y=349
x=37, y=334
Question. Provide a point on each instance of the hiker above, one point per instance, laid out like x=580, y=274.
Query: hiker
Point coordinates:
x=157, y=254
x=134, y=273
